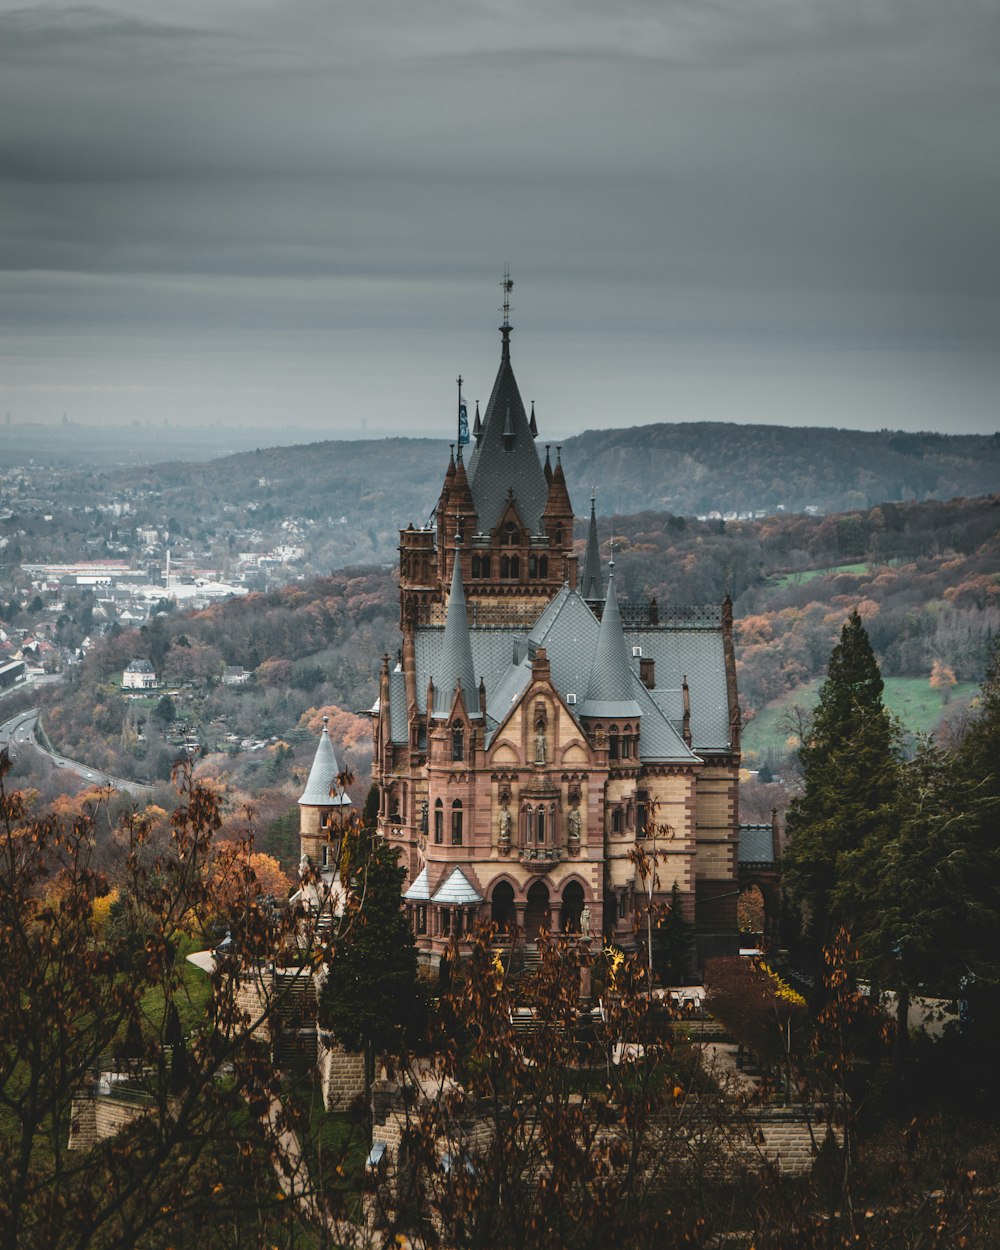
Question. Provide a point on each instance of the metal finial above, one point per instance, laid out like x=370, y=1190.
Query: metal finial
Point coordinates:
x=506, y=286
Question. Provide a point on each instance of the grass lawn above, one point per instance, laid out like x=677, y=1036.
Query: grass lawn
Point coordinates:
x=804, y=576
x=918, y=707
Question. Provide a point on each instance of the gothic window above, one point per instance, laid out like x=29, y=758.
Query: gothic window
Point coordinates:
x=529, y=828
x=458, y=744
x=558, y=536
x=616, y=820
x=640, y=813
x=532, y=566
x=510, y=537
x=543, y=566
x=476, y=567
x=505, y=566
x=621, y=905
x=456, y=823
x=541, y=826
x=484, y=566
x=613, y=743
x=515, y=567
x=438, y=822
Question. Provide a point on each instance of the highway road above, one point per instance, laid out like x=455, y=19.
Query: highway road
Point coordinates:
x=19, y=733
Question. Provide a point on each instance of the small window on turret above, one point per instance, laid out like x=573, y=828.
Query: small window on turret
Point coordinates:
x=438, y=822
x=458, y=744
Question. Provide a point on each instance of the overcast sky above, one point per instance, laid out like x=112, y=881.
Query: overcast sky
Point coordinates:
x=297, y=212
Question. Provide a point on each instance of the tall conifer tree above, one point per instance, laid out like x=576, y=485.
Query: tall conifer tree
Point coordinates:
x=851, y=781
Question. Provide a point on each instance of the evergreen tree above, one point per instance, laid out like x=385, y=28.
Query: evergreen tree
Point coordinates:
x=846, y=811
x=370, y=998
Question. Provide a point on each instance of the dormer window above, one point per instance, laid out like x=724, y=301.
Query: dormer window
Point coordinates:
x=511, y=536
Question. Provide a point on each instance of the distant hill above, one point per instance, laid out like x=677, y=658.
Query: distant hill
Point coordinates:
x=687, y=469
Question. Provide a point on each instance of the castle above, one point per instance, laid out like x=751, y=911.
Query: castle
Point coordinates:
x=534, y=734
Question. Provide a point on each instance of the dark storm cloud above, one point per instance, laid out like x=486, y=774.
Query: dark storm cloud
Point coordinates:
x=790, y=203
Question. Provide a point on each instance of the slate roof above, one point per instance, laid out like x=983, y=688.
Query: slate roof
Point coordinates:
x=455, y=666
x=609, y=685
x=498, y=465
x=698, y=654
x=420, y=890
x=569, y=631
x=322, y=776
x=756, y=844
x=592, y=581
x=456, y=891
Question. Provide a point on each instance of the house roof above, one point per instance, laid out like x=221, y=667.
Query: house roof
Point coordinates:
x=756, y=844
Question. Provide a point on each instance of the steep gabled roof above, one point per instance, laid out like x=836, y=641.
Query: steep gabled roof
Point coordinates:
x=504, y=456
x=455, y=666
x=609, y=689
x=322, y=776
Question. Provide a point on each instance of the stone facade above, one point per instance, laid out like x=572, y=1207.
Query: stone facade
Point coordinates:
x=341, y=1073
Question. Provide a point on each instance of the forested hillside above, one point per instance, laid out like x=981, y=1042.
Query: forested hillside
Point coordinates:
x=925, y=578
x=351, y=498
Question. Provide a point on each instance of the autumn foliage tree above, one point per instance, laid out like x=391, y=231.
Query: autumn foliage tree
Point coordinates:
x=84, y=991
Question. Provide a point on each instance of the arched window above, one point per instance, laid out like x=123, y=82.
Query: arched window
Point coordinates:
x=485, y=566
x=557, y=537
x=543, y=566
x=438, y=822
x=529, y=825
x=532, y=566
x=505, y=566
x=458, y=744
x=515, y=567
x=616, y=820
x=511, y=537
x=456, y=823
x=613, y=743
x=541, y=826
x=476, y=567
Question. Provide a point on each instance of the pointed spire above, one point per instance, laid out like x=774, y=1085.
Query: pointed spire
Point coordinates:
x=610, y=689
x=533, y=424
x=320, y=788
x=548, y=464
x=504, y=454
x=593, y=583
x=477, y=427
x=557, y=505
x=455, y=668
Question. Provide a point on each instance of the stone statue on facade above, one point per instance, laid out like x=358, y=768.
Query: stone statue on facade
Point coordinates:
x=585, y=922
x=573, y=824
x=540, y=743
x=503, y=824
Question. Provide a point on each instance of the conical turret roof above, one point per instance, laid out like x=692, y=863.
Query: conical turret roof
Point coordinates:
x=323, y=775
x=504, y=455
x=592, y=581
x=456, y=655
x=610, y=690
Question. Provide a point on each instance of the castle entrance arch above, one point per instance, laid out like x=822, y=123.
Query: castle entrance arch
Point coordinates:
x=503, y=907
x=536, y=914
x=572, y=906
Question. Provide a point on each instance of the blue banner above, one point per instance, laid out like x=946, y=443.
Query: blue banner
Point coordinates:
x=463, y=423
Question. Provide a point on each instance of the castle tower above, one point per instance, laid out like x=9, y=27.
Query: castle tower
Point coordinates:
x=321, y=804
